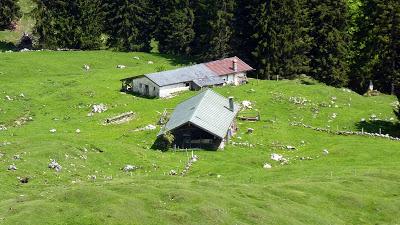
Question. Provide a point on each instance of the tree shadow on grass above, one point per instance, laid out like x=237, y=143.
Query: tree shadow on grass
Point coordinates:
x=7, y=46
x=385, y=127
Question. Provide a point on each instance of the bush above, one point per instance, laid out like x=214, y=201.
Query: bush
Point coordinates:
x=164, y=142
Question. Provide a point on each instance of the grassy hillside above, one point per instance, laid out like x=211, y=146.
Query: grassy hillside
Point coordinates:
x=356, y=183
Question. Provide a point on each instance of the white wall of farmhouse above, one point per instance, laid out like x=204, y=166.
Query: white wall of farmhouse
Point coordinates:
x=235, y=78
x=166, y=91
x=145, y=86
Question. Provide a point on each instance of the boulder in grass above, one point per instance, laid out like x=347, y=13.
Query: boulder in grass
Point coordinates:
x=12, y=168
x=53, y=130
x=99, y=108
x=121, y=66
x=173, y=173
x=325, y=152
x=54, y=165
x=276, y=157
x=267, y=166
x=129, y=168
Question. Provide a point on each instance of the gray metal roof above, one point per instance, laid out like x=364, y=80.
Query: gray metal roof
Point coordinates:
x=208, y=81
x=207, y=110
x=180, y=75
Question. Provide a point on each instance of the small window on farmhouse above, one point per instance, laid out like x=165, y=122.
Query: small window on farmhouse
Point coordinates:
x=140, y=85
x=187, y=84
x=154, y=88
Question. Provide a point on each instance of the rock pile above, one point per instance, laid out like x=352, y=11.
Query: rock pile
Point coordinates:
x=99, y=108
x=267, y=166
x=279, y=158
x=173, y=173
x=54, y=165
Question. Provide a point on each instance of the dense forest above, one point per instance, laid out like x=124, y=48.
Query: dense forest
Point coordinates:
x=338, y=42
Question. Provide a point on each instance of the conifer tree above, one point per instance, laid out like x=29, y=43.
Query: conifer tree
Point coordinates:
x=175, y=27
x=281, y=39
x=71, y=24
x=244, y=27
x=129, y=24
x=378, y=42
x=9, y=13
x=213, y=28
x=329, y=52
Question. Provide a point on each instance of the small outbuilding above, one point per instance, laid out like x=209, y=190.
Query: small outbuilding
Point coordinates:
x=229, y=71
x=205, y=121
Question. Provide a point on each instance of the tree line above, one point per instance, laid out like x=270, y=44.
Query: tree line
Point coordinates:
x=338, y=42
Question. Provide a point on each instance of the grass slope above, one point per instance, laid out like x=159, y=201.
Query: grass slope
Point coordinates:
x=357, y=183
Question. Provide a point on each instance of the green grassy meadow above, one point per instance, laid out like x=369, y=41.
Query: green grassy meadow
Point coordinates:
x=356, y=183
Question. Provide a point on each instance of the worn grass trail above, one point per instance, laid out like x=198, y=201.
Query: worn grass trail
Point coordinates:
x=356, y=183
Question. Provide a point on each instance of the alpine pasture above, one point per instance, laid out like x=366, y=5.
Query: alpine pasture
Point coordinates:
x=356, y=183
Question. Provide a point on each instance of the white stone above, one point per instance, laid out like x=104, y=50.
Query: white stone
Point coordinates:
x=267, y=166
x=121, y=66
x=129, y=168
x=78, y=131
x=325, y=152
x=53, y=130
x=276, y=157
x=247, y=104
x=150, y=62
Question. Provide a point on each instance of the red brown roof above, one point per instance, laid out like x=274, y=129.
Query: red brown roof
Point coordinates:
x=225, y=66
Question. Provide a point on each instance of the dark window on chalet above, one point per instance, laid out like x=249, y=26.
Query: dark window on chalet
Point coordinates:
x=187, y=84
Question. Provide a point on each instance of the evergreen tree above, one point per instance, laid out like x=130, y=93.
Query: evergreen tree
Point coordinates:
x=129, y=24
x=378, y=46
x=281, y=39
x=213, y=28
x=175, y=27
x=9, y=12
x=329, y=52
x=73, y=24
x=244, y=27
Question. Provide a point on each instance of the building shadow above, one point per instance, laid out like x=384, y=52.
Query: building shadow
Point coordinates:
x=380, y=126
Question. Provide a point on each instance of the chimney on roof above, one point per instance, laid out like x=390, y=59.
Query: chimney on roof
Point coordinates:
x=234, y=65
x=231, y=104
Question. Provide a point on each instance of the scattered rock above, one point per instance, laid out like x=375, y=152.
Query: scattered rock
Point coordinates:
x=247, y=105
x=325, y=152
x=8, y=98
x=276, y=157
x=129, y=168
x=2, y=127
x=12, y=167
x=78, y=131
x=92, y=177
x=267, y=166
x=289, y=147
x=1, y=155
x=86, y=67
x=121, y=66
x=24, y=180
x=99, y=108
x=16, y=157
x=148, y=127
x=22, y=95
x=54, y=165
x=136, y=57
x=53, y=130
x=250, y=130
x=150, y=62
x=172, y=173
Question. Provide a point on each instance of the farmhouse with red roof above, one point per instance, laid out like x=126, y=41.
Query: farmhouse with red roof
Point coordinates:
x=228, y=71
